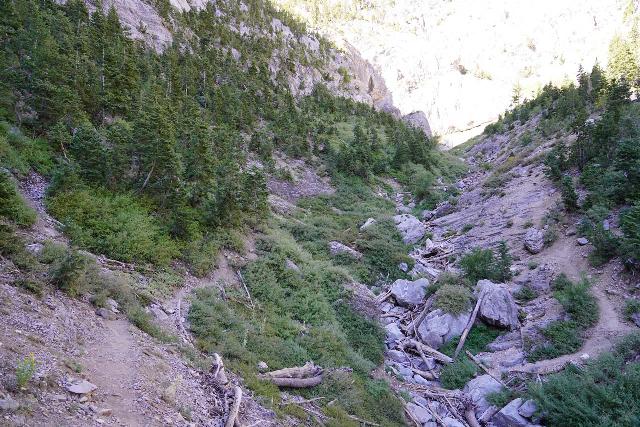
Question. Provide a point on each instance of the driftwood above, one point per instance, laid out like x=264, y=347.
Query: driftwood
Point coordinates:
x=467, y=329
x=232, y=419
x=426, y=349
x=484, y=368
x=411, y=327
x=308, y=375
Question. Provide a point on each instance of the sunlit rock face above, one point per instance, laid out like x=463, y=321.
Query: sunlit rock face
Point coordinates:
x=459, y=61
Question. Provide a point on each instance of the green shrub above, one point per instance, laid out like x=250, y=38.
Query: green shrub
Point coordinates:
x=479, y=337
x=484, y=264
x=12, y=206
x=562, y=337
x=73, y=273
x=631, y=307
x=525, y=294
x=12, y=246
x=501, y=398
x=457, y=374
x=25, y=370
x=605, y=392
x=112, y=224
x=568, y=193
x=453, y=299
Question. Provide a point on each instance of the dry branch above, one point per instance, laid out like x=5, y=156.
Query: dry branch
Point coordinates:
x=425, y=310
x=308, y=375
x=467, y=329
x=428, y=350
x=484, y=368
x=235, y=408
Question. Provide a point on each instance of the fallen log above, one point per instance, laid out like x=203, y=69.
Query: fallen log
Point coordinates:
x=467, y=328
x=309, y=369
x=484, y=368
x=411, y=327
x=295, y=382
x=308, y=375
x=232, y=419
x=428, y=350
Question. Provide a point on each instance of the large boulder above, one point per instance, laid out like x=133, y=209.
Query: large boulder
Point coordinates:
x=419, y=413
x=539, y=279
x=444, y=209
x=410, y=227
x=478, y=389
x=534, y=240
x=409, y=293
x=337, y=248
x=440, y=327
x=509, y=416
x=498, y=307
x=418, y=120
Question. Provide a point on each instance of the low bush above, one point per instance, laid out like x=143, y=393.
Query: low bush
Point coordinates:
x=12, y=205
x=631, y=307
x=485, y=264
x=457, y=374
x=116, y=225
x=606, y=392
x=25, y=370
x=453, y=299
x=568, y=193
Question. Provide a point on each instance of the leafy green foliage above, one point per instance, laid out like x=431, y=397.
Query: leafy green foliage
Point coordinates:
x=457, y=374
x=566, y=336
x=605, y=392
x=113, y=224
x=453, y=299
x=485, y=264
x=25, y=370
x=12, y=206
x=569, y=195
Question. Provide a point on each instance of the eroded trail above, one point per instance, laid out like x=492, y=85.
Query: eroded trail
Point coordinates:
x=113, y=364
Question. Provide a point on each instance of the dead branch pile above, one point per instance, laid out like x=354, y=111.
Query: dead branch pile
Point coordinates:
x=308, y=375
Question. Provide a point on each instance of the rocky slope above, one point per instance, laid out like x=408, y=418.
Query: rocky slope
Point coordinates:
x=460, y=61
x=523, y=211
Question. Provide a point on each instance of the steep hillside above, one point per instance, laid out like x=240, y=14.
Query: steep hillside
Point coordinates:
x=460, y=62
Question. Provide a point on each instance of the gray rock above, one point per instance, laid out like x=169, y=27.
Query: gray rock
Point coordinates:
x=451, y=422
x=35, y=248
x=397, y=356
x=337, y=248
x=528, y=408
x=409, y=293
x=419, y=413
x=505, y=341
x=440, y=327
x=403, y=266
x=81, y=387
x=478, y=389
x=105, y=313
x=498, y=307
x=112, y=305
x=418, y=379
x=427, y=215
x=368, y=223
x=418, y=120
x=606, y=225
x=290, y=265
x=582, y=241
x=444, y=209
x=410, y=227
x=262, y=366
x=8, y=404
x=534, y=240
x=539, y=279
x=393, y=332
x=423, y=270
x=158, y=312
x=635, y=317
x=509, y=416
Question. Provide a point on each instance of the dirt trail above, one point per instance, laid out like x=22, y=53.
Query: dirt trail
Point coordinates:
x=113, y=364
x=568, y=258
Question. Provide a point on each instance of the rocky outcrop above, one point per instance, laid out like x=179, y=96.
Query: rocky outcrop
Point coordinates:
x=409, y=293
x=337, y=248
x=410, y=227
x=478, y=389
x=534, y=240
x=418, y=120
x=440, y=327
x=498, y=307
x=509, y=416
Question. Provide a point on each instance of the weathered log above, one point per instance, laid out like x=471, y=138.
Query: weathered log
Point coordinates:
x=295, y=382
x=232, y=419
x=467, y=329
x=429, y=350
x=309, y=369
x=411, y=327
